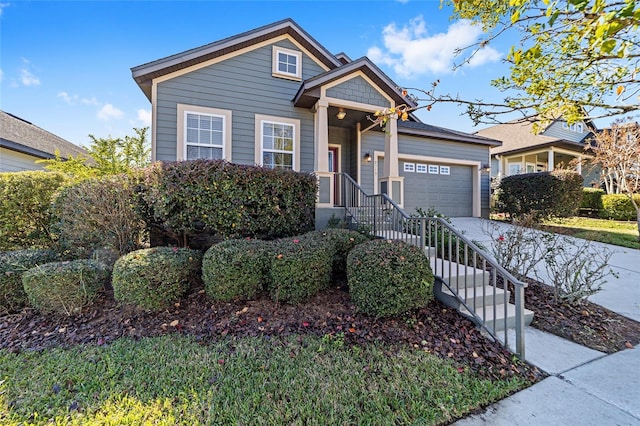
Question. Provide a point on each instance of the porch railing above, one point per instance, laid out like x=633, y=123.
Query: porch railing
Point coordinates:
x=451, y=253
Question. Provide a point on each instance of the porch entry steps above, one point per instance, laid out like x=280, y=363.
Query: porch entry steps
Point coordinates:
x=466, y=278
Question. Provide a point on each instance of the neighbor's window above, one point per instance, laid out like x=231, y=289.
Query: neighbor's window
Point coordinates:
x=204, y=136
x=278, y=145
x=433, y=169
x=287, y=63
x=409, y=167
x=445, y=170
x=421, y=168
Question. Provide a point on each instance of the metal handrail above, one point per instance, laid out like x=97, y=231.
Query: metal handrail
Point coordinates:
x=449, y=249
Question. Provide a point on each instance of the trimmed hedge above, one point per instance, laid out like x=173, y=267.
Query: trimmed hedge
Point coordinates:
x=64, y=287
x=388, y=278
x=591, y=200
x=541, y=195
x=100, y=212
x=191, y=198
x=12, y=265
x=619, y=207
x=339, y=242
x=154, y=278
x=236, y=269
x=25, y=215
x=300, y=268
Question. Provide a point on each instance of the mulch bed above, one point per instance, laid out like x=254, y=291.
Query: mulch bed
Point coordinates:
x=434, y=328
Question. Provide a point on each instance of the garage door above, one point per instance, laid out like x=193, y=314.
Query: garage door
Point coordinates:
x=446, y=188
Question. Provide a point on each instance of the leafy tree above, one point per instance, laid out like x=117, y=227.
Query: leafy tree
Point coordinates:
x=108, y=156
x=617, y=151
x=578, y=59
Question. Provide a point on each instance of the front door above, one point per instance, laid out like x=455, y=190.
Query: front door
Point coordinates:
x=334, y=167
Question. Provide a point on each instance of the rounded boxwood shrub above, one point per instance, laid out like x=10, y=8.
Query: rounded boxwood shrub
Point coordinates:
x=339, y=242
x=64, y=287
x=299, y=268
x=12, y=265
x=388, y=278
x=591, y=203
x=236, y=269
x=619, y=207
x=154, y=278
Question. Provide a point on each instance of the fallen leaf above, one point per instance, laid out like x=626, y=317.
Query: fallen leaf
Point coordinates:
x=174, y=323
x=628, y=345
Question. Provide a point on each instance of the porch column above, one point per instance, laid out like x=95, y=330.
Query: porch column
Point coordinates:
x=579, y=166
x=391, y=183
x=321, y=155
x=550, y=160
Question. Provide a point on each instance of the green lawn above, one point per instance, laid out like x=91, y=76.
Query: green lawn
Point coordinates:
x=298, y=380
x=620, y=233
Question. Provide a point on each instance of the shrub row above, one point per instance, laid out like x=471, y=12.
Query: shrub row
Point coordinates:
x=608, y=206
x=189, y=198
x=541, y=195
x=25, y=214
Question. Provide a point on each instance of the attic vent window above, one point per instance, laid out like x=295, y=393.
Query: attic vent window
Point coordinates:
x=287, y=63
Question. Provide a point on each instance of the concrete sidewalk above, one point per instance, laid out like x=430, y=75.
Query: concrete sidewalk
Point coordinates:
x=585, y=387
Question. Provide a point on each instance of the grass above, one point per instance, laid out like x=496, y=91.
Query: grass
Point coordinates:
x=619, y=233
x=298, y=380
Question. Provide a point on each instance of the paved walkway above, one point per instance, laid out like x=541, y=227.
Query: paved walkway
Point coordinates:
x=585, y=387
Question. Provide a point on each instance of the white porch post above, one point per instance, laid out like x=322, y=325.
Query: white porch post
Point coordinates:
x=321, y=155
x=551, y=161
x=391, y=183
x=579, y=166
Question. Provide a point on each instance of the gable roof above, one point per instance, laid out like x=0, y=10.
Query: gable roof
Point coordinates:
x=518, y=136
x=309, y=92
x=20, y=135
x=427, y=130
x=144, y=74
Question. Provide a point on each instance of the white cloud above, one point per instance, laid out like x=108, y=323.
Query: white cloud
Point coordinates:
x=109, y=112
x=67, y=98
x=28, y=79
x=411, y=51
x=75, y=99
x=2, y=6
x=92, y=101
x=144, y=116
x=1, y=74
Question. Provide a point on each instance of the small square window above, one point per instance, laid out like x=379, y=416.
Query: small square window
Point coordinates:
x=421, y=168
x=445, y=170
x=287, y=63
x=433, y=169
x=409, y=167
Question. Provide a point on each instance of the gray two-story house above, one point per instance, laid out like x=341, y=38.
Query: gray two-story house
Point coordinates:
x=275, y=97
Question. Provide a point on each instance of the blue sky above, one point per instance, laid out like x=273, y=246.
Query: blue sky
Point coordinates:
x=65, y=66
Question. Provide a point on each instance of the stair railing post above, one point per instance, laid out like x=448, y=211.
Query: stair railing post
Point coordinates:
x=519, y=299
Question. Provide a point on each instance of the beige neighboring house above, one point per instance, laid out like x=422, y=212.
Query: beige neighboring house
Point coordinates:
x=22, y=143
x=524, y=151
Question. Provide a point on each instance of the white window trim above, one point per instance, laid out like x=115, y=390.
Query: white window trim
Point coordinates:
x=274, y=63
x=445, y=170
x=409, y=167
x=259, y=119
x=421, y=168
x=181, y=129
x=433, y=169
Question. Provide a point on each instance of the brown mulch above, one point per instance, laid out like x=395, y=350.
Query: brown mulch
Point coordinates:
x=588, y=324
x=433, y=328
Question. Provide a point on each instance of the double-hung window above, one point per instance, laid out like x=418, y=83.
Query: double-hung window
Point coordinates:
x=204, y=136
x=278, y=145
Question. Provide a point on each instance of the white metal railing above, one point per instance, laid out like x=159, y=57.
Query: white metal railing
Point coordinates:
x=452, y=255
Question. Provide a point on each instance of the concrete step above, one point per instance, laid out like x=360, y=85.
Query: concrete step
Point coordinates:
x=458, y=276
x=497, y=321
x=481, y=296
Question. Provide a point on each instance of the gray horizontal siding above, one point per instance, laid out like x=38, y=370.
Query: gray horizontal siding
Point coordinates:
x=245, y=85
x=358, y=89
x=555, y=130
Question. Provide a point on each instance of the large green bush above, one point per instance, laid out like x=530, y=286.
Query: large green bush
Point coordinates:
x=100, y=212
x=339, y=242
x=64, y=287
x=541, y=195
x=388, y=278
x=300, y=268
x=154, y=278
x=591, y=203
x=190, y=198
x=25, y=215
x=236, y=269
x=12, y=265
x=619, y=207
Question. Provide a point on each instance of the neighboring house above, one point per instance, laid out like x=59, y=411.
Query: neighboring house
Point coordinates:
x=22, y=143
x=557, y=145
x=274, y=96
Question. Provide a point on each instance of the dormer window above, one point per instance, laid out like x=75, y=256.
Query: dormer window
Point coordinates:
x=575, y=127
x=287, y=63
